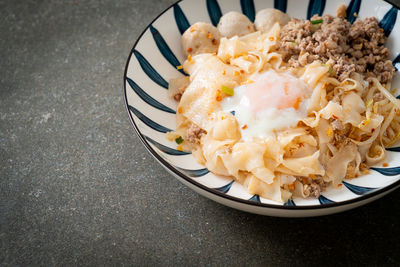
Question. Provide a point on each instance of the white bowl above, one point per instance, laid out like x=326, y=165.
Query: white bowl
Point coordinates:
x=157, y=53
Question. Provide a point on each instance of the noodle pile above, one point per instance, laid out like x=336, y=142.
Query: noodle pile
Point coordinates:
x=347, y=128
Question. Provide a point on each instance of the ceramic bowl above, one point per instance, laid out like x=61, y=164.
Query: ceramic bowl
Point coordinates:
x=153, y=61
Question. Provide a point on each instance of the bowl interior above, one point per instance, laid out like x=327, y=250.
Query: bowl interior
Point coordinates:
x=154, y=60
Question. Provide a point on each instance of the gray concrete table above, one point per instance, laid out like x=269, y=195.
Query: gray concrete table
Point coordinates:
x=77, y=186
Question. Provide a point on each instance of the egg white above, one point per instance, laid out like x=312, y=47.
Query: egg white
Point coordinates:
x=267, y=121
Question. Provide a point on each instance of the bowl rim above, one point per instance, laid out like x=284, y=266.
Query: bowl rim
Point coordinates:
x=212, y=190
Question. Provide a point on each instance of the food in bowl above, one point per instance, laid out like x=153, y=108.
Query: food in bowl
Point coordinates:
x=288, y=107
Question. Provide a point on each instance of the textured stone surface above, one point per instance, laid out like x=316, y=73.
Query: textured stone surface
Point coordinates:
x=77, y=186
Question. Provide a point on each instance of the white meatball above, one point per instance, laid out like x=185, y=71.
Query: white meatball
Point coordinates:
x=266, y=18
x=234, y=23
x=200, y=38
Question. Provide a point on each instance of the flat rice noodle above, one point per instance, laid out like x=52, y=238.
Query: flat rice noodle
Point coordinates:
x=379, y=156
x=248, y=157
x=304, y=166
x=353, y=106
x=271, y=191
x=337, y=165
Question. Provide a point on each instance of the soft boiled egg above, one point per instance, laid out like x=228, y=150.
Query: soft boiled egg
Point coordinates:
x=274, y=101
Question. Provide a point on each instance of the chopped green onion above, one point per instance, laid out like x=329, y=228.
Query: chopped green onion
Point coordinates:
x=317, y=21
x=179, y=140
x=227, y=90
x=331, y=70
x=294, y=42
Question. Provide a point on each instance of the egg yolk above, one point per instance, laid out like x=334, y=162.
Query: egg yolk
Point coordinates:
x=275, y=90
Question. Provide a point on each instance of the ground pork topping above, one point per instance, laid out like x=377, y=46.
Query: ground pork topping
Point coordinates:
x=352, y=48
x=336, y=125
x=194, y=134
x=313, y=187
